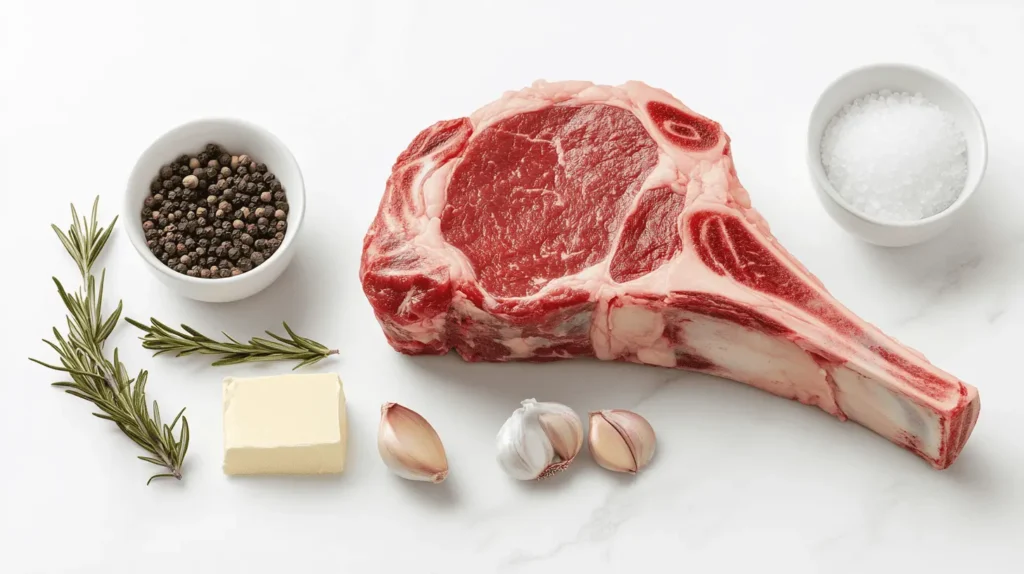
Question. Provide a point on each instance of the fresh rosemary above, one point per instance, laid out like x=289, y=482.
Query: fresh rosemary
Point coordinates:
x=163, y=339
x=103, y=382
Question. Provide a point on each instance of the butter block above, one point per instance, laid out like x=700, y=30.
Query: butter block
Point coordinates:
x=286, y=424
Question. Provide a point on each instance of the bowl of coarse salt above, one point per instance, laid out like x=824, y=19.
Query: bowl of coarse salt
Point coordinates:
x=895, y=151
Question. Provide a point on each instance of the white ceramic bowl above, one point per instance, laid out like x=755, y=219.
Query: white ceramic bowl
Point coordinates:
x=896, y=77
x=238, y=137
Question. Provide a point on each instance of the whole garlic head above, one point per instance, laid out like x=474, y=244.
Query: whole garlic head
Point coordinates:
x=539, y=440
x=621, y=441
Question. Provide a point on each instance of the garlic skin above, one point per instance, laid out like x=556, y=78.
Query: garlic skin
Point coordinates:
x=539, y=440
x=409, y=446
x=621, y=441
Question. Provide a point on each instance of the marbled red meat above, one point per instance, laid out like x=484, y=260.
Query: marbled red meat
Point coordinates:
x=575, y=220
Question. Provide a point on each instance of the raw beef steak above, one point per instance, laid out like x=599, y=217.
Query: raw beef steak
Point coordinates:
x=576, y=220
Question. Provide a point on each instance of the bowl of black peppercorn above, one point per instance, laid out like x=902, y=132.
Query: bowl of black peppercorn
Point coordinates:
x=214, y=207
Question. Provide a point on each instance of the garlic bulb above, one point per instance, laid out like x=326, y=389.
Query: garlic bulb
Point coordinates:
x=622, y=441
x=539, y=440
x=409, y=446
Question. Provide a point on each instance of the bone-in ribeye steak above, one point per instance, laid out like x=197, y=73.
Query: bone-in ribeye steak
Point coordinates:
x=575, y=220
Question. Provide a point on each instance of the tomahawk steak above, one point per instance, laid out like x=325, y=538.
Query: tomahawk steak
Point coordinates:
x=577, y=220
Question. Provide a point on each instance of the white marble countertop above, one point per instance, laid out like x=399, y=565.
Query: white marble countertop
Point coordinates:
x=741, y=480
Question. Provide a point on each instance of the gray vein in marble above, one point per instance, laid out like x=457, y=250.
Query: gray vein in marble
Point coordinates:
x=602, y=525
x=949, y=281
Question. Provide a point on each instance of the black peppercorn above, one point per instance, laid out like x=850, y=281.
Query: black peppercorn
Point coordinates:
x=239, y=226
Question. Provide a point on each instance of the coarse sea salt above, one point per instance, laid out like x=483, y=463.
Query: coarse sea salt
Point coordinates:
x=895, y=156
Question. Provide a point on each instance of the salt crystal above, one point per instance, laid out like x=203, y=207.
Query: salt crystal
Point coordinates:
x=895, y=156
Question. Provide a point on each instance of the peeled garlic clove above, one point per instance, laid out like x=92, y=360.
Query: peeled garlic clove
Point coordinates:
x=409, y=446
x=621, y=441
x=538, y=440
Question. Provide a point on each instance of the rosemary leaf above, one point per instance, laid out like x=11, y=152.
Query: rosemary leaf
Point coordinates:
x=161, y=338
x=102, y=382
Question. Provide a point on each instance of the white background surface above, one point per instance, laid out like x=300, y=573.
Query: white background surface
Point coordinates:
x=742, y=480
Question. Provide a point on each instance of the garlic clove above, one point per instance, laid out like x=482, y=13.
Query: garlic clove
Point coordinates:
x=409, y=446
x=620, y=440
x=539, y=440
x=565, y=430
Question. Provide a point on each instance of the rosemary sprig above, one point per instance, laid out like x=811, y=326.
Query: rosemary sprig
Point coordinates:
x=163, y=339
x=103, y=382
